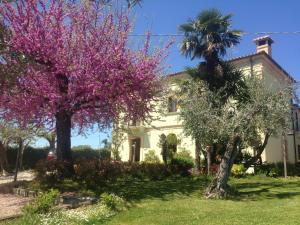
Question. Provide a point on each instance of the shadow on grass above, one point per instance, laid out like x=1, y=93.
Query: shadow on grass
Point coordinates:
x=135, y=190
x=266, y=188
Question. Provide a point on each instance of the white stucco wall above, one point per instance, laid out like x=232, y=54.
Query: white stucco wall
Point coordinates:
x=170, y=122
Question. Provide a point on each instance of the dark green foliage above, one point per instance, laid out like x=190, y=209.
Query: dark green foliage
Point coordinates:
x=105, y=154
x=30, y=158
x=94, y=173
x=276, y=169
x=85, y=154
x=172, y=143
x=164, y=147
x=82, y=147
x=33, y=155
x=243, y=156
x=50, y=173
x=182, y=165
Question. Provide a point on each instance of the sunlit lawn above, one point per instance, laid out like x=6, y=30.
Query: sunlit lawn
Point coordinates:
x=261, y=200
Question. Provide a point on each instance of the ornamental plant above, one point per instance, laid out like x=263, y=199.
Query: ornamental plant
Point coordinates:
x=78, y=70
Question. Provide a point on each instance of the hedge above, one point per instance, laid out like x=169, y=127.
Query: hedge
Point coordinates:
x=33, y=155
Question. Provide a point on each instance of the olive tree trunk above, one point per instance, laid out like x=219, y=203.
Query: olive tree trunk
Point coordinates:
x=208, y=157
x=219, y=187
x=258, y=151
x=197, y=155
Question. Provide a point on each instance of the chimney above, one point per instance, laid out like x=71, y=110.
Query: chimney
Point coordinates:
x=264, y=44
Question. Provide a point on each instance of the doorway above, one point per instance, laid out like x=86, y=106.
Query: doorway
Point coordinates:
x=135, y=150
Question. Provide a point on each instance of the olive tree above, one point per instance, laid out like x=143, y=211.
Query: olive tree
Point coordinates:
x=208, y=119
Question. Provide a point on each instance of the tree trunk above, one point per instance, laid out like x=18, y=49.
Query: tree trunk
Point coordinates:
x=197, y=155
x=63, y=132
x=18, y=160
x=3, y=158
x=51, y=140
x=258, y=151
x=208, y=156
x=21, y=155
x=219, y=187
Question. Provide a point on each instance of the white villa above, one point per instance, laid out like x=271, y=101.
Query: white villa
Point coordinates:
x=141, y=137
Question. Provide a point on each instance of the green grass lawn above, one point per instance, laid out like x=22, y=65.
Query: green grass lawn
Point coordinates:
x=261, y=200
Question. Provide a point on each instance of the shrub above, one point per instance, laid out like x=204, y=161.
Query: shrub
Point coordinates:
x=30, y=157
x=151, y=157
x=105, y=154
x=276, y=169
x=184, y=153
x=112, y=201
x=50, y=173
x=85, y=153
x=182, y=165
x=82, y=148
x=238, y=170
x=43, y=202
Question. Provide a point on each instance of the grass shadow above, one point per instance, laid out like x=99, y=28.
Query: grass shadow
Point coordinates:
x=261, y=188
x=136, y=190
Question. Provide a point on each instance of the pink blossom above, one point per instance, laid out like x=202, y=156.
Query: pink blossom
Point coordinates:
x=80, y=64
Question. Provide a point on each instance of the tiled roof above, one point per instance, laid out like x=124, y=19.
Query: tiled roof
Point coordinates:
x=248, y=56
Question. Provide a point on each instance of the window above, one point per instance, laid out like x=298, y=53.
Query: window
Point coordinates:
x=172, y=104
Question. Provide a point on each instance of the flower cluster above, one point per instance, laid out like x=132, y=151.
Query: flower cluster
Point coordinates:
x=77, y=62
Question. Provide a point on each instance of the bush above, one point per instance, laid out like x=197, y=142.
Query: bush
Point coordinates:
x=184, y=153
x=182, y=165
x=238, y=170
x=43, y=202
x=151, y=157
x=82, y=148
x=112, y=201
x=85, y=154
x=50, y=172
x=105, y=154
x=30, y=158
x=92, y=174
x=276, y=169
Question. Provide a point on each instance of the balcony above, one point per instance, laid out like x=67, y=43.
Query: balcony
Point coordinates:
x=136, y=125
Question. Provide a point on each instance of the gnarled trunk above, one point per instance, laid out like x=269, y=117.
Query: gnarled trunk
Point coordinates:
x=197, y=155
x=258, y=151
x=219, y=187
x=208, y=157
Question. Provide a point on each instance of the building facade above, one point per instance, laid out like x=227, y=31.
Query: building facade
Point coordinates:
x=140, y=138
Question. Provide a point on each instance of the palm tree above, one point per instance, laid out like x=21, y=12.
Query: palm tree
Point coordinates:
x=208, y=37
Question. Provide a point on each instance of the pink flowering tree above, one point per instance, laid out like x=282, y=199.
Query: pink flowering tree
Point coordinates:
x=79, y=69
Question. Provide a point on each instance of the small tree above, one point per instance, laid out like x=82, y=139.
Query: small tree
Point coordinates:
x=164, y=147
x=207, y=118
x=172, y=142
x=13, y=133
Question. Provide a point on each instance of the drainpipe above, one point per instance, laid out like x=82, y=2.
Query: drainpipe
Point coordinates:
x=294, y=136
x=251, y=66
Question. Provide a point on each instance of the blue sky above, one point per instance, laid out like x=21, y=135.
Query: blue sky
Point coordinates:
x=164, y=16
